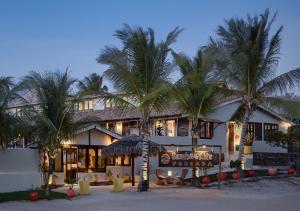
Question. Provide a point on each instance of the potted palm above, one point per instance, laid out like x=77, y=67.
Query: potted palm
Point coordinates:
x=118, y=184
x=236, y=165
x=248, y=144
x=84, y=187
x=109, y=175
x=206, y=179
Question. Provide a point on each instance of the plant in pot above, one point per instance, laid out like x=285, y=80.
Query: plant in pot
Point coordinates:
x=236, y=165
x=109, y=175
x=118, y=183
x=126, y=177
x=291, y=171
x=250, y=173
x=33, y=195
x=222, y=176
x=70, y=191
x=272, y=171
x=206, y=179
x=84, y=187
x=248, y=144
x=53, y=178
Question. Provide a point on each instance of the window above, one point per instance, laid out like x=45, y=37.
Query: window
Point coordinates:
x=269, y=127
x=170, y=128
x=258, y=131
x=159, y=128
x=183, y=127
x=84, y=105
x=82, y=159
x=80, y=106
x=120, y=161
x=255, y=130
x=205, y=130
x=100, y=162
x=119, y=128
x=92, y=159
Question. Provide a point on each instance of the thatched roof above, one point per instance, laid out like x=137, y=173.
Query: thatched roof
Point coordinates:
x=131, y=145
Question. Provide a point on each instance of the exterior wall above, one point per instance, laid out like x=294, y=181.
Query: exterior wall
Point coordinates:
x=19, y=170
x=96, y=138
x=224, y=112
x=262, y=146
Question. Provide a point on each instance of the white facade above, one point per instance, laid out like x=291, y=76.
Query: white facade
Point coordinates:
x=19, y=170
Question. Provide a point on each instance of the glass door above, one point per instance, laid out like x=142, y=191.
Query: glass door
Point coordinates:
x=70, y=165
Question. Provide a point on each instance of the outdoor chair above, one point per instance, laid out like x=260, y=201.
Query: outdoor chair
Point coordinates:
x=162, y=180
x=180, y=179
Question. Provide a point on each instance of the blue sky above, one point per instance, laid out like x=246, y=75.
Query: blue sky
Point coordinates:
x=49, y=35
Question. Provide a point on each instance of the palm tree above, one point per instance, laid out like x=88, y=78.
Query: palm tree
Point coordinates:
x=8, y=122
x=140, y=72
x=196, y=92
x=53, y=122
x=248, y=54
x=92, y=84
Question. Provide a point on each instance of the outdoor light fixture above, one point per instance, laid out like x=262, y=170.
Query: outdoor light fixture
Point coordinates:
x=169, y=173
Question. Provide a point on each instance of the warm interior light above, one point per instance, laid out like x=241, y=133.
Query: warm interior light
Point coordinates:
x=169, y=173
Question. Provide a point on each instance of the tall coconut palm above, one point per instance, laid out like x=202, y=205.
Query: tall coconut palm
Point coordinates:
x=92, y=84
x=196, y=92
x=248, y=55
x=140, y=71
x=53, y=122
x=8, y=121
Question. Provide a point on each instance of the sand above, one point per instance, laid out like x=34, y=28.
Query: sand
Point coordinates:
x=265, y=194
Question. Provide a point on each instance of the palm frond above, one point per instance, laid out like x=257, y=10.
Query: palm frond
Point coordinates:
x=281, y=83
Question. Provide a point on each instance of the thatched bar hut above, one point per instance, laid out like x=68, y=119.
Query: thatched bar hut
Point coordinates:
x=131, y=146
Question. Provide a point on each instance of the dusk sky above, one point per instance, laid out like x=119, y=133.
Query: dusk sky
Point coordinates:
x=50, y=35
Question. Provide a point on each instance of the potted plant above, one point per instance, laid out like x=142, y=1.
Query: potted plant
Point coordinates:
x=70, y=191
x=250, y=173
x=236, y=165
x=222, y=176
x=272, y=171
x=291, y=171
x=33, y=196
x=52, y=180
x=84, y=187
x=126, y=177
x=248, y=144
x=109, y=175
x=206, y=179
x=118, y=184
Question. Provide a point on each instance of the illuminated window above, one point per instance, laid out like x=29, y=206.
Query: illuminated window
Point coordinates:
x=80, y=107
x=92, y=159
x=255, y=130
x=159, y=128
x=118, y=128
x=101, y=162
x=205, y=130
x=170, y=128
x=90, y=104
x=82, y=159
x=268, y=127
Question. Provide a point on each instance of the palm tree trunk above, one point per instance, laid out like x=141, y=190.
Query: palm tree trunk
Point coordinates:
x=244, y=133
x=50, y=171
x=194, y=147
x=144, y=173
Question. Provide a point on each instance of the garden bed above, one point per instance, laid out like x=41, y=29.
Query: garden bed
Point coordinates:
x=24, y=195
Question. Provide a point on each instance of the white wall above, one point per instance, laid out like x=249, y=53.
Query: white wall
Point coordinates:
x=19, y=170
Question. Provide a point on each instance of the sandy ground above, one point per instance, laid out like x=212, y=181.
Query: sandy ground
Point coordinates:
x=266, y=194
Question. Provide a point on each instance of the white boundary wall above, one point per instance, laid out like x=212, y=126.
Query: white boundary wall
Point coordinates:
x=19, y=170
